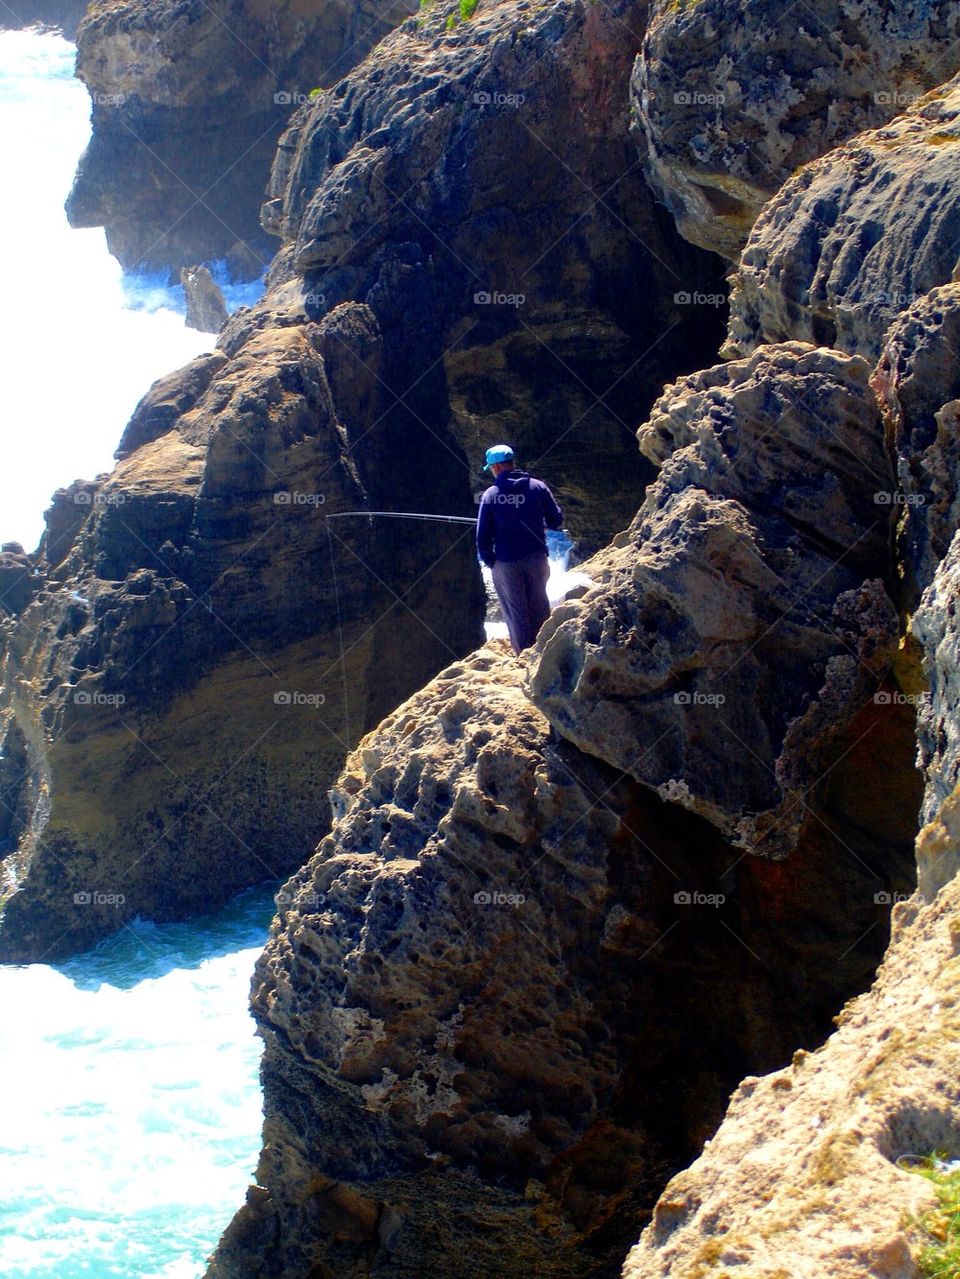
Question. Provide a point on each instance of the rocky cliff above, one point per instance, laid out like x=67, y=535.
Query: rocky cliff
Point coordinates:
x=189, y=100
x=855, y=238
x=215, y=555
x=562, y=297
x=196, y=623
x=823, y=1149
x=508, y=971
x=697, y=788
x=730, y=99
x=565, y=904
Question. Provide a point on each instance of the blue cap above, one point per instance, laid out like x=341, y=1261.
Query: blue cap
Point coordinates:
x=499, y=453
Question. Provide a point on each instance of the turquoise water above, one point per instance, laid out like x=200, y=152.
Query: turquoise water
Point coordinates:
x=132, y=1109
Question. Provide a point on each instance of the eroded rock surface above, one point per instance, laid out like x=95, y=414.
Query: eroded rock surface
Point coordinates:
x=486, y=171
x=857, y=237
x=815, y=1147
x=730, y=99
x=189, y=100
x=743, y=615
x=918, y=384
x=510, y=989
x=186, y=684
x=206, y=307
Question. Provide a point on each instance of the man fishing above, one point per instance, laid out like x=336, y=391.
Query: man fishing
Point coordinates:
x=514, y=513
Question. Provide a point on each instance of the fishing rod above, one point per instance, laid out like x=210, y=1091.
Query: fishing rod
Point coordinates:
x=407, y=515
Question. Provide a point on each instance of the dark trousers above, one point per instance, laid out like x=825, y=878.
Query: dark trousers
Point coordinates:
x=521, y=587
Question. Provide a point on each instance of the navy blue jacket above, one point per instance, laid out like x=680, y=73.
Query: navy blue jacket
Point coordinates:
x=513, y=513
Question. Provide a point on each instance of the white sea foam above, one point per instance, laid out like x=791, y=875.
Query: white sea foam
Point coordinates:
x=79, y=342
x=131, y=1111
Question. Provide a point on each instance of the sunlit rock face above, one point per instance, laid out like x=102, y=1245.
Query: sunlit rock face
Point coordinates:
x=855, y=238
x=513, y=988
x=730, y=99
x=745, y=613
x=189, y=100
x=201, y=645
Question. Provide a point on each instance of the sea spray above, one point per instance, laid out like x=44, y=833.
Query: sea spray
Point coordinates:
x=132, y=1112
x=81, y=341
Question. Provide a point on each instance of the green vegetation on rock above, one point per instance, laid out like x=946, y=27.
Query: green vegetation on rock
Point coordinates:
x=940, y=1257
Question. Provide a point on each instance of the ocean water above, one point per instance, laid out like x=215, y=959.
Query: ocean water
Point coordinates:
x=80, y=342
x=131, y=1100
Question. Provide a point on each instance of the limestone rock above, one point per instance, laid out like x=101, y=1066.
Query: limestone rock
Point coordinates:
x=513, y=987
x=188, y=102
x=816, y=1148
x=187, y=684
x=206, y=306
x=551, y=278
x=918, y=384
x=857, y=237
x=935, y=625
x=730, y=99
x=743, y=615
x=17, y=579
x=917, y=381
